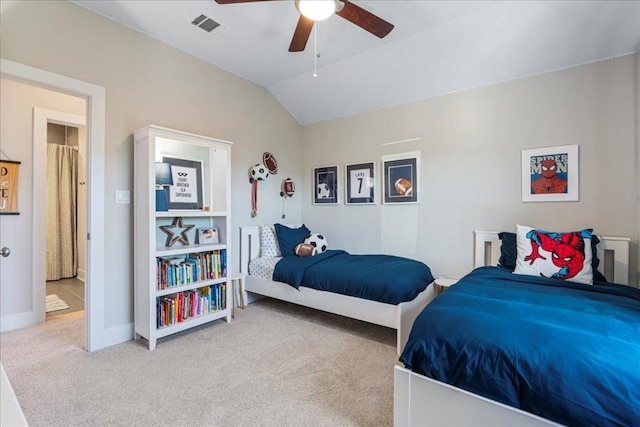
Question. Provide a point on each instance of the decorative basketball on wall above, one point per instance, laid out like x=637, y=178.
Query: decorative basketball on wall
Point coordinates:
x=270, y=162
x=288, y=188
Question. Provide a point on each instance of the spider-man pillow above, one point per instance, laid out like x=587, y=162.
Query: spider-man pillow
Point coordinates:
x=563, y=256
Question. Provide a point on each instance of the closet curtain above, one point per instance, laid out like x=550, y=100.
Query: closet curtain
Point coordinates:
x=62, y=180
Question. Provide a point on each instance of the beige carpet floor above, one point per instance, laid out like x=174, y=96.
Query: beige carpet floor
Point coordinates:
x=276, y=364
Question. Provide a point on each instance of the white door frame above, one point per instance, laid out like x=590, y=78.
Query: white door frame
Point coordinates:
x=41, y=118
x=96, y=336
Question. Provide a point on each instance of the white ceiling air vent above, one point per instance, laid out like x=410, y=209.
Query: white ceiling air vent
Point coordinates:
x=205, y=23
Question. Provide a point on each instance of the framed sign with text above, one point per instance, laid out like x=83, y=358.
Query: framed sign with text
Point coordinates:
x=9, y=187
x=186, y=191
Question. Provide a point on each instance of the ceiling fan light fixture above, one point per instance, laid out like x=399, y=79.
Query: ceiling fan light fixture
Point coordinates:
x=317, y=10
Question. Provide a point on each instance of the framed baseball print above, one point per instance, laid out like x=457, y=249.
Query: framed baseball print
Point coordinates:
x=401, y=173
x=360, y=180
x=550, y=174
x=325, y=185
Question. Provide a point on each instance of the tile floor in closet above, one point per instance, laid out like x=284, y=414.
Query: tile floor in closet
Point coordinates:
x=71, y=291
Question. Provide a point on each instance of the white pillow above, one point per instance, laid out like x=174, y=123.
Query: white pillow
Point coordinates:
x=268, y=242
x=563, y=256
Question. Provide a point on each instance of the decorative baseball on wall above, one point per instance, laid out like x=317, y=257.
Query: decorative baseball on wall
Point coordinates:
x=257, y=173
x=288, y=188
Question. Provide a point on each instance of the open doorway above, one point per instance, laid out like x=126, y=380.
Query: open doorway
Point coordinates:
x=25, y=302
x=66, y=219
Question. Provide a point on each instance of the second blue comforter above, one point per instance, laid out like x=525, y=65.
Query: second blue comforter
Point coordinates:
x=383, y=278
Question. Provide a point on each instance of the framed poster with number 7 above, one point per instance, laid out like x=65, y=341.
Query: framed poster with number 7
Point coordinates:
x=360, y=179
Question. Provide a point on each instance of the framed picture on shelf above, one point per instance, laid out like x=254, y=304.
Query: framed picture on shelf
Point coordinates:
x=325, y=185
x=208, y=236
x=551, y=174
x=186, y=191
x=360, y=186
x=401, y=173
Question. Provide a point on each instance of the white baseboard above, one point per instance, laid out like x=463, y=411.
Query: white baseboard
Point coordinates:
x=80, y=275
x=112, y=336
x=17, y=321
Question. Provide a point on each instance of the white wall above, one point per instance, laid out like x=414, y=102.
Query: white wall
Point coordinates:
x=17, y=101
x=148, y=82
x=471, y=146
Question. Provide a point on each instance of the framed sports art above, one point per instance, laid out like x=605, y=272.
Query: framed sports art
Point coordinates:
x=360, y=180
x=401, y=173
x=551, y=174
x=325, y=185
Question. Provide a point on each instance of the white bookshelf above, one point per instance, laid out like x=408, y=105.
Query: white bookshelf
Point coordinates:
x=155, y=144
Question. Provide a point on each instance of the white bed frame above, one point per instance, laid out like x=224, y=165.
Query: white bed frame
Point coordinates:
x=422, y=401
x=399, y=317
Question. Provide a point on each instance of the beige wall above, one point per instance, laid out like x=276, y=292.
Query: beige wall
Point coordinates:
x=470, y=143
x=148, y=82
x=471, y=146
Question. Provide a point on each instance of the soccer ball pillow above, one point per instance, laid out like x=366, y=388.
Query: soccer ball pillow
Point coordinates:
x=563, y=256
x=317, y=241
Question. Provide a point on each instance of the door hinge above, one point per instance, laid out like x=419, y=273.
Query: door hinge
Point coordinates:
x=88, y=236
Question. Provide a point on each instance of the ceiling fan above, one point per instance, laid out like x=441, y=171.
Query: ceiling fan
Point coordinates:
x=318, y=10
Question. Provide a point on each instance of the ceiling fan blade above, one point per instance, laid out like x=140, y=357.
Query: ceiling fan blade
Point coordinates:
x=365, y=20
x=238, y=1
x=301, y=34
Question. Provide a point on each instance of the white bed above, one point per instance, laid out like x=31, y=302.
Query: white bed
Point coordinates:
x=422, y=401
x=399, y=317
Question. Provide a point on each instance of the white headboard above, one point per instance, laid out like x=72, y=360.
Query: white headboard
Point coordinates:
x=613, y=253
x=250, y=244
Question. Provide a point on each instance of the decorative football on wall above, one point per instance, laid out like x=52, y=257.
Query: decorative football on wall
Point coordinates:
x=258, y=173
x=288, y=188
x=318, y=241
x=404, y=187
x=270, y=162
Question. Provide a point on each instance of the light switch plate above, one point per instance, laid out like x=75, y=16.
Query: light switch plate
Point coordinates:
x=123, y=197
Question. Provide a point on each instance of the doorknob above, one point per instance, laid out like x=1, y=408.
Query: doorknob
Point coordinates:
x=5, y=252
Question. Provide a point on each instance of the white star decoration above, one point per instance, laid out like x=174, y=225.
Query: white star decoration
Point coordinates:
x=173, y=236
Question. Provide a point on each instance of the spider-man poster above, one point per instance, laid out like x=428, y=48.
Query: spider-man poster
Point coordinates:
x=550, y=174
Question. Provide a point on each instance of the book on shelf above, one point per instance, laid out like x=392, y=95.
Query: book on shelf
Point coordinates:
x=192, y=268
x=181, y=306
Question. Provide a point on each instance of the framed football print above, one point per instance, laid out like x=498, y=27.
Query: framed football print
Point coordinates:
x=400, y=177
x=325, y=185
x=360, y=179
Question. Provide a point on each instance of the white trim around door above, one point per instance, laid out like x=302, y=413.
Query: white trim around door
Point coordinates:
x=96, y=334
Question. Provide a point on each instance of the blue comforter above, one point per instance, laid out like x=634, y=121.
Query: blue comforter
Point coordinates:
x=567, y=352
x=383, y=278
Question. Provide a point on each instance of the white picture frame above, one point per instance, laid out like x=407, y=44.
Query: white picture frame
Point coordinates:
x=208, y=236
x=360, y=183
x=551, y=174
x=326, y=186
x=401, y=178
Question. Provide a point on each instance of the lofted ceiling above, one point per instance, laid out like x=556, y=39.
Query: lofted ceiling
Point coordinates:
x=436, y=47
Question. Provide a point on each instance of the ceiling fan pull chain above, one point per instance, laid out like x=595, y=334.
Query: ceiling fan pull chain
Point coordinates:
x=315, y=49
